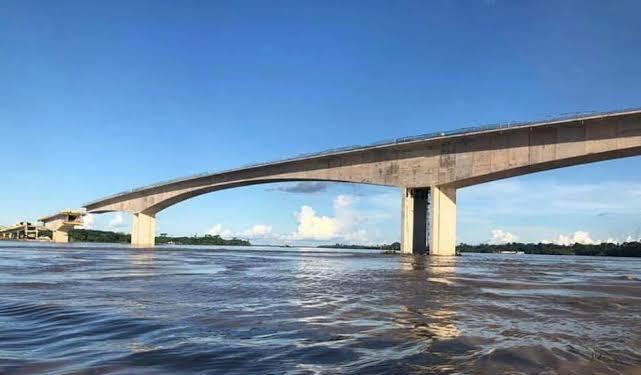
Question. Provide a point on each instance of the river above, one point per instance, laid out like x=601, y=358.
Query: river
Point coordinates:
x=83, y=309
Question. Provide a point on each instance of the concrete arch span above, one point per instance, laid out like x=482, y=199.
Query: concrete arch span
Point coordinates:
x=428, y=171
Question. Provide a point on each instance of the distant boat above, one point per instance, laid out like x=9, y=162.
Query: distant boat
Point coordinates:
x=511, y=252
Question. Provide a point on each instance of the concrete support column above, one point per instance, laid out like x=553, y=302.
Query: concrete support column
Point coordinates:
x=60, y=236
x=414, y=220
x=143, y=230
x=443, y=221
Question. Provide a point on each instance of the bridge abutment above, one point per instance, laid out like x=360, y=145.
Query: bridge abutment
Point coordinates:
x=143, y=230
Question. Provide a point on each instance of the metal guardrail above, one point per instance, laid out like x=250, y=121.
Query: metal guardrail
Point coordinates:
x=568, y=116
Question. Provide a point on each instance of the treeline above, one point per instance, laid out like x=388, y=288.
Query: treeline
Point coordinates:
x=204, y=240
x=626, y=249
x=89, y=235
x=392, y=246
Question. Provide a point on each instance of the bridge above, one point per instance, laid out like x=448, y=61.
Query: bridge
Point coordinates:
x=57, y=226
x=23, y=230
x=61, y=223
x=428, y=169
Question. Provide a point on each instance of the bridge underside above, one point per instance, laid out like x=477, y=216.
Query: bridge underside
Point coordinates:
x=427, y=171
x=428, y=222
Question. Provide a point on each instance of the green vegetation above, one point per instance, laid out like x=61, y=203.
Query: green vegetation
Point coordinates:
x=87, y=235
x=204, y=240
x=392, y=246
x=627, y=249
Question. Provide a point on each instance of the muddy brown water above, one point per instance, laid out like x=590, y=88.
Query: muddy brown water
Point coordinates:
x=84, y=309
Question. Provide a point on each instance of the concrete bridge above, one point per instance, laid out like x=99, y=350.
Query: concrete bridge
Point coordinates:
x=428, y=169
x=61, y=223
x=23, y=230
x=57, y=226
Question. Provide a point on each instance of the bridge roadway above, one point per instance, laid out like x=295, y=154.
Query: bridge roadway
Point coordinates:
x=428, y=170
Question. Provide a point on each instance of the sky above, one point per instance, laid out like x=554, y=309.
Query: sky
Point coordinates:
x=101, y=97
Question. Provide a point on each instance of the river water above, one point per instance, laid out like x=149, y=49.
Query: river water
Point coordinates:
x=184, y=310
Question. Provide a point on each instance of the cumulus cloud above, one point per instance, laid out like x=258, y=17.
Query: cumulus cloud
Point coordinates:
x=217, y=230
x=117, y=222
x=312, y=226
x=88, y=221
x=341, y=226
x=500, y=236
x=345, y=224
x=258, y=230
x=304, y=188
x=580, y=237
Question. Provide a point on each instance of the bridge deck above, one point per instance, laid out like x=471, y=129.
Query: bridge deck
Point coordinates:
x=568, y=117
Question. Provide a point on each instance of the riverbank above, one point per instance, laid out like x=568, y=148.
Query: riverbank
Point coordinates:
x=89, y=235
x=626, y=249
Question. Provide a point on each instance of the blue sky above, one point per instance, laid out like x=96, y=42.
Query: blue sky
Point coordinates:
x=100, y=97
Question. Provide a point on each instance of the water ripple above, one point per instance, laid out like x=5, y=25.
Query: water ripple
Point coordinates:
x=110, y=310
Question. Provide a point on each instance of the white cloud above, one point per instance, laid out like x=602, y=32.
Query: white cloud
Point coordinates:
x=544, y=208
x=632, y=239
x=342, y=226
x=580, y=237
x=217, y=230
x=311, y=226
x=584, y=238
x=549, y=197
x=500, y=236
x=258, y=230
x=117, y=221
x=88, y=221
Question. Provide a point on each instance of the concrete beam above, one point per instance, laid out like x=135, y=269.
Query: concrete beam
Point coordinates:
x=414, y=220
x=143, y=230
x=442, y=221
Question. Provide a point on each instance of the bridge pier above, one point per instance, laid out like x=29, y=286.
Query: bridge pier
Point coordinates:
x=61, y=223
x=442, y=221
x=143, y=230
x=433, y=207
x=414, y=220
x=60, y=236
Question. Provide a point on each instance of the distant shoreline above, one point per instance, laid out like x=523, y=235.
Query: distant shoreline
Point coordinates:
x=626, y=249
x=90, y=235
